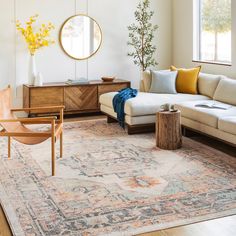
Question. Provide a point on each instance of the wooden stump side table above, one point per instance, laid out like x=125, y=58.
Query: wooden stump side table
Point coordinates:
x=168, y=130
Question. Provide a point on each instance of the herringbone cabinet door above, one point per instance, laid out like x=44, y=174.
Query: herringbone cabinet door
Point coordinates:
x=81, y=98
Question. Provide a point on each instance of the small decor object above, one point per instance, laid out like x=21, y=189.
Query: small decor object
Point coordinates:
x=108, y=78
x=141, y=36
x=35, y=41
x=77, y=81
x=168, y=130
x=168, y=107
x=38, y=80
x=214, y=105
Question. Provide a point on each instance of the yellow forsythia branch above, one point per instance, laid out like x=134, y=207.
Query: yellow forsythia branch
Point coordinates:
x=36, y=40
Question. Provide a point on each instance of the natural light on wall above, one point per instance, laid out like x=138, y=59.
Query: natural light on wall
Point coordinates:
x=212, y=31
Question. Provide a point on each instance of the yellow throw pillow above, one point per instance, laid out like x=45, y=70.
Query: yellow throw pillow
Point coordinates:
x=187, y=80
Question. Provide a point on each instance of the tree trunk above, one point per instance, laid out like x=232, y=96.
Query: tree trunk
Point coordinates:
x=216, y=47
x=168, y=130
x=143, y=65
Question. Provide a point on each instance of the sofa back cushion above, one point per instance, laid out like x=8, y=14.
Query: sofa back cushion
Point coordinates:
x=163, y=82
x=226, y=91
x=187, y=80
x=208, y=83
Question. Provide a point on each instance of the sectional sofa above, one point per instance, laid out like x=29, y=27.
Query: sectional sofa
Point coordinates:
x=141, y=111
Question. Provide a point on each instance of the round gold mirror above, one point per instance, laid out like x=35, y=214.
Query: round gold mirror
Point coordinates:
x=80, y=37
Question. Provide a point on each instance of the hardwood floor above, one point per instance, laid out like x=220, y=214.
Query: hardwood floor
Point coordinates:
x=219, y=227
x=4, y=227
x=72, y=118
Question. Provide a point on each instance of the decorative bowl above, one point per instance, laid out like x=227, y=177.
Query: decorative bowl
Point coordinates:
x=108, y=78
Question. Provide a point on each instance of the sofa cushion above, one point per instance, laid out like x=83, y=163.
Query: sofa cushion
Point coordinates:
x=226, y=91
x=187, y=80
x=203, y=115
x=149, y=103
x=131, y=120
x=208, y=83
x=228, y=124
x=163, y=82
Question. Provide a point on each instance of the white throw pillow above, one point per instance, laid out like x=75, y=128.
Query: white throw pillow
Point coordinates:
x=164, y=82
x=208, y=83
x=226, y=91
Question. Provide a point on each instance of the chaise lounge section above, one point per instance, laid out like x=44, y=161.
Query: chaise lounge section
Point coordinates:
x=217, y=123
x=140, y=112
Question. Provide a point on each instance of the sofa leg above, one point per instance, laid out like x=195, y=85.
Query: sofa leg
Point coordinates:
x=187, y=133
x=130, y=130
x=140, y=129
x=111, y=120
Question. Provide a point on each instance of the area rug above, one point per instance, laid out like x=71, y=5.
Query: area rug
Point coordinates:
x=109, y=183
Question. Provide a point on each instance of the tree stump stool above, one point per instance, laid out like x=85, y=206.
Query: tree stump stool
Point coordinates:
x=168, y=130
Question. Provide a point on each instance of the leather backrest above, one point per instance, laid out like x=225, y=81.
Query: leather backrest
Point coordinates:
x=5, y=111
x=5, y=103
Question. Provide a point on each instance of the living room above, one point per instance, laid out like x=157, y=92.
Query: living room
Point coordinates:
x=118, y=117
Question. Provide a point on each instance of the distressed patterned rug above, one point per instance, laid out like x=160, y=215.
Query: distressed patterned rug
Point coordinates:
x=109, y=183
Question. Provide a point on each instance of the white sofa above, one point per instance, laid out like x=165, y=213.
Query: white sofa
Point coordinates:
x=140, y=112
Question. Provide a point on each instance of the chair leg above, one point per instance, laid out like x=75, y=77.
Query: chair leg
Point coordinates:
x=9, y=147
x=53, y=148
x=61, y=145
x=53, y=156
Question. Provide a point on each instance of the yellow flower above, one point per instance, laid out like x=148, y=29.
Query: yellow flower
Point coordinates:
x=36, y=40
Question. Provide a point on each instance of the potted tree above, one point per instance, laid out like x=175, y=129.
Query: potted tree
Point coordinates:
x=141, y=35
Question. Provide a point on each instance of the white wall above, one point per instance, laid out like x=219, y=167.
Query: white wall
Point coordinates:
x=113, y=17
x=182, y=43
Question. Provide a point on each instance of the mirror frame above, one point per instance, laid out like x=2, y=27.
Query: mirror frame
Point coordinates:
x=60, y=37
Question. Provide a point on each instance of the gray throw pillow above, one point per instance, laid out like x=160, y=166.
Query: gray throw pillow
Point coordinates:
x=164, y=82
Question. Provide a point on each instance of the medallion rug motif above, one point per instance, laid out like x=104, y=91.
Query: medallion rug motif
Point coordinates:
x=109, y=183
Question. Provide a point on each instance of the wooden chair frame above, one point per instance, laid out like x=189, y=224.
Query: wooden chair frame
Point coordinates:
x=56, y=129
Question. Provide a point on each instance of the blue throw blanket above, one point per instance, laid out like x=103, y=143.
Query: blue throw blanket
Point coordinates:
x=119, y=103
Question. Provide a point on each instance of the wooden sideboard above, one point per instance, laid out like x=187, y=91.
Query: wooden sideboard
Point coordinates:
x=82, y=98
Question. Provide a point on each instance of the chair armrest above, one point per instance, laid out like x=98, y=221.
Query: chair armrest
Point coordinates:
x=38, y=108
x=28, y=120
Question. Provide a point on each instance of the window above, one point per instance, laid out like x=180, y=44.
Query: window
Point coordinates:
x=212, y=31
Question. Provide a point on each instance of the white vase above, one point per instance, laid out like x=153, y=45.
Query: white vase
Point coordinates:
x=38, y=80
x=32, y=70
x=143, y=80
x=142, y=74
x=146, y=80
